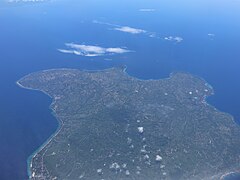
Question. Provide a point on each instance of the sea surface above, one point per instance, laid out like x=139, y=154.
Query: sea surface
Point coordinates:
x=31, y=34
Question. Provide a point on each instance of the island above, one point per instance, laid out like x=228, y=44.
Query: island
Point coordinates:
x=114, y=126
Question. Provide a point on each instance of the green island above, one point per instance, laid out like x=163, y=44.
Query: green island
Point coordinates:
x=114, y=126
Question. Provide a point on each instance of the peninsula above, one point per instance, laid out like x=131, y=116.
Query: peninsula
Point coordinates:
x=114, y=126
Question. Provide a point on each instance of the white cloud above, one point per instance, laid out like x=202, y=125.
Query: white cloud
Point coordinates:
x=140, y=129
x=147, y=10
x=153, y=35
x=104, y=23
x=127, y=29
x=116, y=50
x=211, y=34
x=176, y=39
x=130, y=30
x=91, y=51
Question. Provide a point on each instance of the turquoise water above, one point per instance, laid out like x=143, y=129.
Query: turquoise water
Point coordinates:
x=30, y=35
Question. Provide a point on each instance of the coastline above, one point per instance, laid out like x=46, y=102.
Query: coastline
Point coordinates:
x=60, y=122
x=228, y=174
x=55, y=133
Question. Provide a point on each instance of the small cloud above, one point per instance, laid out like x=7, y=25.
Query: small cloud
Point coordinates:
x=91, y=51
x=174, y=39
x=140, y=129
x=211, y=34
x=116, y=50
x=158, y=158
x=153, y=35
x=147, y=10
x=127, y=29
x=104, y=23
x=130, y=30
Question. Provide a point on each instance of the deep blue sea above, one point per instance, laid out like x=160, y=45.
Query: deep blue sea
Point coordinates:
x=32, y=33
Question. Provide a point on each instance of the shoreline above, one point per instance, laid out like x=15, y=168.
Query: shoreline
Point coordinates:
x=54, y=134
x=228, y=174
x=124, y=70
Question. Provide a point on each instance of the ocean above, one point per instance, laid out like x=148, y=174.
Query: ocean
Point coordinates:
x=200, y=37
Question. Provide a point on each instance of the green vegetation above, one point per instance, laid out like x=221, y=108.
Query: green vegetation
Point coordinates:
x=113, y=126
